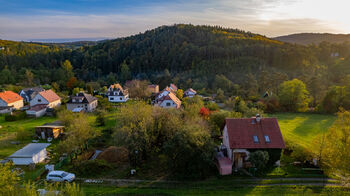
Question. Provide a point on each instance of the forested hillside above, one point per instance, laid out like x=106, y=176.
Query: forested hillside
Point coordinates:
x=314, y=38
x=205, y=58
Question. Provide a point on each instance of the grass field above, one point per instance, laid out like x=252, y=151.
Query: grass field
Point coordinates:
x=257, y=190
x=302, y=128
x=9, y=129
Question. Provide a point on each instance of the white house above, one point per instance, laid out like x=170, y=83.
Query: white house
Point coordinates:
x=48, y=97
x=82, y=102
x=29, y=93
x=169, y=101
x=9, y=98
x=31, y=153
x=118, y=96
x=114, y=86
x=190, y=93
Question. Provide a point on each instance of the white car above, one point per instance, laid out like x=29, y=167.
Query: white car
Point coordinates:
x=60, y=176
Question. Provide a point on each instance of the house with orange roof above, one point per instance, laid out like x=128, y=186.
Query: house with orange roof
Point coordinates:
x=11, y=99
x=48, y=97
x=114, y=86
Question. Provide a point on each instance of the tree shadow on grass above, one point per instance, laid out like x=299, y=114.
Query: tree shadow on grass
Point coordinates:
x=313, y=126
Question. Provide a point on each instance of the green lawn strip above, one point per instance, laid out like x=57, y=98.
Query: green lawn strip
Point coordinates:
x=302, y=128
x=26, y=124
x=256, y=190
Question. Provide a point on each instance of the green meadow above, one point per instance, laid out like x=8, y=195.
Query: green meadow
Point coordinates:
x=302, y=128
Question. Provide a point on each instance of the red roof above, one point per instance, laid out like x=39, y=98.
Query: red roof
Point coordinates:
x=10, y=97
x=241, y=132
x=49, y=95
x=173, y=87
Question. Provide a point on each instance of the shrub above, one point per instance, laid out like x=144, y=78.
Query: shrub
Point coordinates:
x=18, y=115
x=22, y=134
x=101, y=118
x=259, y=159
x=91, y=168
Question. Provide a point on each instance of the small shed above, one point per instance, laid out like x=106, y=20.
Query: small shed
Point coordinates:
x=52, y=130
x=37, y=110
x=31, y=153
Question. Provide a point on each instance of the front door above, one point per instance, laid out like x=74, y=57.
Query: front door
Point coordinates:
x=238, y=159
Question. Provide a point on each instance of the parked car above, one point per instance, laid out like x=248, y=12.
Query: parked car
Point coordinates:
x=60, y=176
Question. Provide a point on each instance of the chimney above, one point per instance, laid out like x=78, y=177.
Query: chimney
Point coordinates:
x=258, y=118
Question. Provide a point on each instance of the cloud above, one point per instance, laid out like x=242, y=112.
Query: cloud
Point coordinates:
x=250, y=15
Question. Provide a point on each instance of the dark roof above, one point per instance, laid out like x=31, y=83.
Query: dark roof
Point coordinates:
x=38, y=107
x=241, y=131
x=87, y=98
x=119, y=92
x=31, y=92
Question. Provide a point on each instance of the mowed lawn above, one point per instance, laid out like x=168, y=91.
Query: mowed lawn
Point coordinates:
x=302, y=128
x=213, y=191
x=9, y=129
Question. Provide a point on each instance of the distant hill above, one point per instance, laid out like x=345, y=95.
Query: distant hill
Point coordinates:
x=202, y=57
x=314, y=38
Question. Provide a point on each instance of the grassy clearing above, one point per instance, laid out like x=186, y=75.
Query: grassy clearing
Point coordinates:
x=26, y=124
x=257, y=190
x=9, y=129
x=302, y=128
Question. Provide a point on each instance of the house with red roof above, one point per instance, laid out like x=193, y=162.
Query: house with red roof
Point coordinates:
x=242, y=136
x=48, y=97
x=173, y=87
x=190, y=93
x=9, y=99
x=169, y=101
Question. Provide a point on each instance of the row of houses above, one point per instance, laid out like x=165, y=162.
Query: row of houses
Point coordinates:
x=166, y=98
x=41, y=101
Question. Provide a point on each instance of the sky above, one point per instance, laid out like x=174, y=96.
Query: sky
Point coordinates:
x=61, y=19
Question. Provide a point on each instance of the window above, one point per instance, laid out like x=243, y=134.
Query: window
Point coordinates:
x=39, y=100
x=121, y=98
x=256, y=139
x=111, y=98
x=167, y=104
x=64, y=174
x=267, y=139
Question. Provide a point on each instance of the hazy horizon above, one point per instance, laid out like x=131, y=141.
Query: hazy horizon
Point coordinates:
x=76, y=19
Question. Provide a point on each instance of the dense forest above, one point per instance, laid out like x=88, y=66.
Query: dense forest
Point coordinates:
x=314, y=38
x=206, y=58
